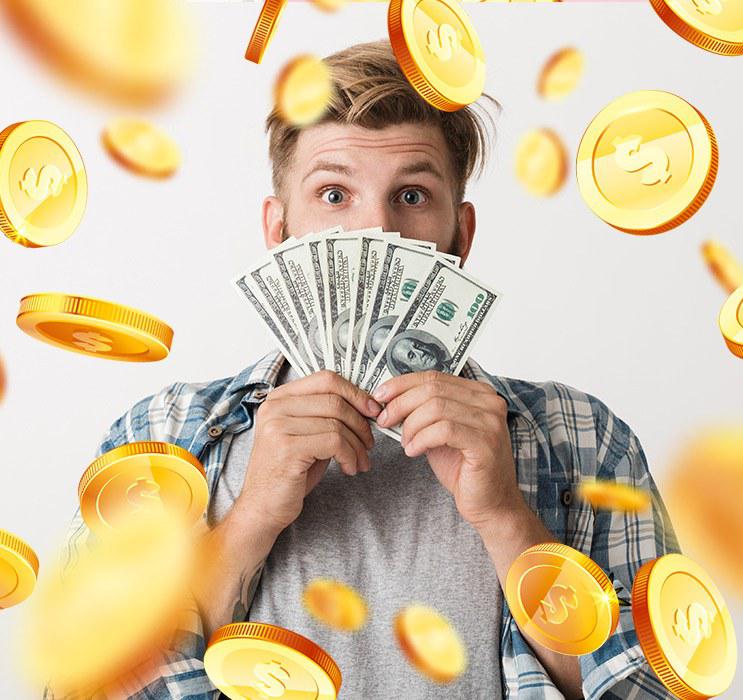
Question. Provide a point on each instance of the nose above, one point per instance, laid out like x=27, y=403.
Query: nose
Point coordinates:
x=376, y=211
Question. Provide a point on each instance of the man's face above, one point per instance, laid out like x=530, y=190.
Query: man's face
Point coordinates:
x=418, y=357
x=398, y=177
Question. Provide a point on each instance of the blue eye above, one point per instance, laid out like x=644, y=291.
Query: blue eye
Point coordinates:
x=413, y=196
x=335, y=196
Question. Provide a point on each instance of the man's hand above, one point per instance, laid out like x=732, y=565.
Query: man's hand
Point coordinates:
x=300, y=427
x=460, y=425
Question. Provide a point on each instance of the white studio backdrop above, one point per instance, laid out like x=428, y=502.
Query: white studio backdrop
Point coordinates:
x=632, y=320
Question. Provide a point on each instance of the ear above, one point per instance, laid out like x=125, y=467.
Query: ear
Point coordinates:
x=273, y=220
x=467, y=224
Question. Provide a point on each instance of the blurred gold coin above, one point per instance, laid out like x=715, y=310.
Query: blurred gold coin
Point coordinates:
x=731, y=322
x=94, y=327
x=141, y=147
x=439, y=51
x=561, y=599
x=684, y=627
x=541, y=162
x=142, y=478
x=329, y=5
x=430, y=642
x=131, y=51
x=336, y=604
x=110, y=608
x=714, y=25
x=702, y=492
x=561, y=74
x=303, y=90
x=647, y=162
x=3, y=380
x=613, y=496
x=264, y=29
x=43, y=185
x=257, y=660
x=19, y=567
x=723, y=265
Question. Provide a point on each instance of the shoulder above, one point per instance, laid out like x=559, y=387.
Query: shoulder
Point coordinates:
x=570, y=424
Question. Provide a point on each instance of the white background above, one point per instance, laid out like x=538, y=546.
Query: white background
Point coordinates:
x=630, y=319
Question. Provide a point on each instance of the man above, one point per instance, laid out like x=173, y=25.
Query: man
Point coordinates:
x=487, y=466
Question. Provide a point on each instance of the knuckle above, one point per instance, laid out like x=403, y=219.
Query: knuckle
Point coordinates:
x=336, y=403
x=439, y=405
x=333, y=425
x=430, y=376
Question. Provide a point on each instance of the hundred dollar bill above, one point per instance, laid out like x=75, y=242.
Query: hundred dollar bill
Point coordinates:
x=300, y=284
x=243, y=287
x=436, y=329
x=403, y=265
x=341, y=258
x=266, y=282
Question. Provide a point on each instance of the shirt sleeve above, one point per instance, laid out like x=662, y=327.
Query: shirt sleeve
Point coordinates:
x=620, y=543
x=178, y=672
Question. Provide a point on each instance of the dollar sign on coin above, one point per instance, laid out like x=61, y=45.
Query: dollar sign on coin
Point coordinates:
x=647, y=162
x=144, y=494
x=272, y=679
x=43, y=185
x=90, y=341
x=714, y=25
x=561, y=599
x=684, y=627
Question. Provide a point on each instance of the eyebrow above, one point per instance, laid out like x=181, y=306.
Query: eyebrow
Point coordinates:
x=419, y=166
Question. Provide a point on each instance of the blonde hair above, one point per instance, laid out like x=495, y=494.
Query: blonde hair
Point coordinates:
x=371, y=91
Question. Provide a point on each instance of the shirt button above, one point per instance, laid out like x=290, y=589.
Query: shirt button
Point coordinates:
x=260, y=394
x=566, y=497
x=215, y=431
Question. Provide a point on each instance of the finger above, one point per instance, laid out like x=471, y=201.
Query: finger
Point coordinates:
x=386, y=391
x=350, y=453
x=327, y=382
x=402, y=405
x=439, y=408
x=326, y=406
x=444, y=432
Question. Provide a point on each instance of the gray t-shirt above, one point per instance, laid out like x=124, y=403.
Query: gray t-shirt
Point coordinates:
x=395, y=535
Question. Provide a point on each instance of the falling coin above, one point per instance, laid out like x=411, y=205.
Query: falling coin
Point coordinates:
x=145, y=478
x=336, y=604
x=94, y=327
x=257, y=660
x=19, y=567
x=303, y=90
x=561, y=74
x=541, y=162
x=141, y=147
x=723, y=265
x=613, y=496
x=731, y=322
x=43, y=185
x=430, y=642
x=264, y=29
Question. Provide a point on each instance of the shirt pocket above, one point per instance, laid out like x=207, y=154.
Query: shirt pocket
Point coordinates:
x=565, y=515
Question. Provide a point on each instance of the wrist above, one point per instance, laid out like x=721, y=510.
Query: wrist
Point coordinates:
x=506, y=520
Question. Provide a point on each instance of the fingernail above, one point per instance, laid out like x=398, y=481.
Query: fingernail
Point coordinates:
x=380, y=393
x=382, y=417
x=373, y=407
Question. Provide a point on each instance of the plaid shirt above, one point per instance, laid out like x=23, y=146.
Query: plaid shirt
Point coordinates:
x=559, y=434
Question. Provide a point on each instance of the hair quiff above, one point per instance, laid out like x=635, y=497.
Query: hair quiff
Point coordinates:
x=371, y=91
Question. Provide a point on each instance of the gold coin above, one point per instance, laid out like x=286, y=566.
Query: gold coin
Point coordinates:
x=303, y=90
x=430, y=642
x=264, y=29
x=613, y=496
x=684, y=627
x=714, y=25
x=702, y=492
x=561, y=74
x=257, y=660
x=19, y=567
x=329, y=5
x=336, y=604
x=723, y=265
x=731, y=322
x=541, y=162
x=94, y=327
x=130, y=51
x=439, y=51
x=144, y=478
x=43, y=186
x=141, y=147
x=561, y=599
x=647, y=162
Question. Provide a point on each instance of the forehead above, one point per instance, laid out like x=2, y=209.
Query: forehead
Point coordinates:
x=356, y=144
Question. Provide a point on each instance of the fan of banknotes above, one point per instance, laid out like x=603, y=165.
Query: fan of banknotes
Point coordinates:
x=367, y=304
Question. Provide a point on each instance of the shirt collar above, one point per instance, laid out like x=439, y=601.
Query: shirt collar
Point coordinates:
x=258, y=379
